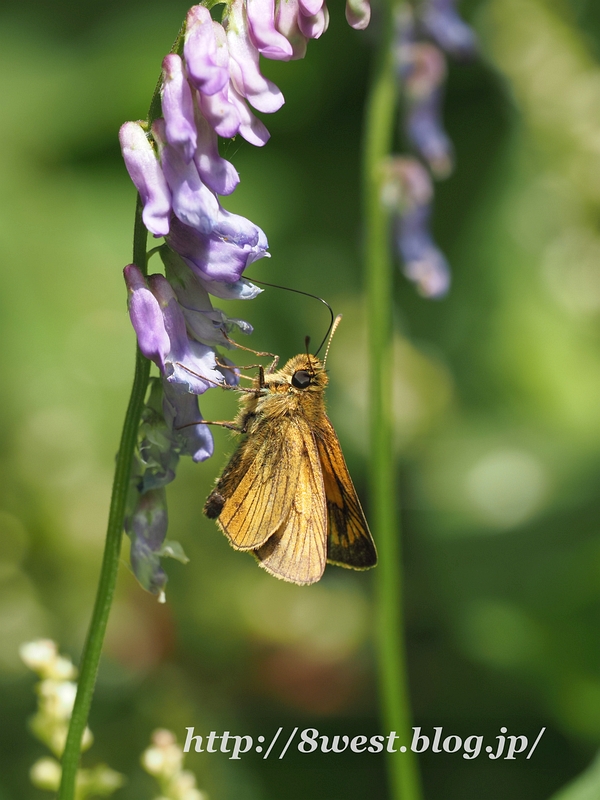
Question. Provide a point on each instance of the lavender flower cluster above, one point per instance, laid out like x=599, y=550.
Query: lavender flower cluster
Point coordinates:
x=206, y=92
x=424, y=32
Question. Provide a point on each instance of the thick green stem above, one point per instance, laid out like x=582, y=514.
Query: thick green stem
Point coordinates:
x=112, y=550
x=393, y=683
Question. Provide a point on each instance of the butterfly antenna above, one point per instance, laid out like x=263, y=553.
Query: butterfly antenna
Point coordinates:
x=306, y=294
x=306, y=345
x=333, y=327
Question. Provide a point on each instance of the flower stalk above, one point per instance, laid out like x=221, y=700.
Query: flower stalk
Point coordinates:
x=112, y=549
x=384, y=511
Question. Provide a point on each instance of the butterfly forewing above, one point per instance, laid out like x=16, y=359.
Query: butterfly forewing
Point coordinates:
x=349, y=541
x=255, y=494
x=297, y=552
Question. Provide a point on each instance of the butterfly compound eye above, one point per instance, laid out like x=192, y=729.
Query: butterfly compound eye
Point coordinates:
x=301, y=379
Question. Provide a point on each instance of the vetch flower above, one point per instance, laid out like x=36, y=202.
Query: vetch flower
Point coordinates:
x=205, y=323
x=233, y=245
x=313, y=26
x=205, y=56
x=286, y=22
x=424, y=263
x=160, y=326
x=177, y=105
x=245, y=72
x=183, y=417
x=408, y=192
x=193, y=202
x=216, y=172
x=147, y=529
x=443, y=23
x=266, y=38
x=425, y=131
x=145, y=172
x=358, y=14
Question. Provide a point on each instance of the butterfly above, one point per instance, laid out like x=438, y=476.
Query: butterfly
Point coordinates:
x=286, y=494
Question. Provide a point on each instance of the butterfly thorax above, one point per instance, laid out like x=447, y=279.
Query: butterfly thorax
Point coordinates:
x=296, y=391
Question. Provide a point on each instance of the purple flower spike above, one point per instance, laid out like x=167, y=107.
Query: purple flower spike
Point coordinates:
x=147, y=528
x=189, y=363
x=178, y=107
x=145, y=172
x=424, y=263
x=205, y=61
x=358, y=14
x=146, y=318
x=267, y=40
x=193, y=202
x=443, y=23
x=245, y=72
x=425, y=131
x=216, y=172
x=314, y=27
x=181, y=410
x=286, y=22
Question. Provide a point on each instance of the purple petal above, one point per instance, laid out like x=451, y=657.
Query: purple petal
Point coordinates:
x=267, y=40
x=314, y=27
x=443, y=23
x=178, y=107
x=181, y=409
x=229, y=371
x=206, y=62
x=190, y=364
x=204, y=323
x=245, y=72
x=234, y=244
x=146, y=318
x=222, y=114
x=216, y=172
x=239, y=290
x=423, y=69
x=145, y=172
x=424, y=130
x=193, y=202
x=196, y=369
x=310, y=7
x=424, y=263
x=286, y=22
x=358, y=14
x=251, y=128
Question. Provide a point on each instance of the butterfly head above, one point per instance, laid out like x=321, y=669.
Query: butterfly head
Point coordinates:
x=304, y=374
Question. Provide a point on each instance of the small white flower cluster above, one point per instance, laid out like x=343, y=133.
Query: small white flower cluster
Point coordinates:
x=56, y=695
x=164, y=761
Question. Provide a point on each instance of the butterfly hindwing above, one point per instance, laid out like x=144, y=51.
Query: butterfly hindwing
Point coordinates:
x=349, y=541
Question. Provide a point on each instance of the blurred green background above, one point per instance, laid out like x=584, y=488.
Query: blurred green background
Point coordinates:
x=497, y=410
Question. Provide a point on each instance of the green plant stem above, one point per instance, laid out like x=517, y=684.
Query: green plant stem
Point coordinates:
x=112, y=550
x=393, y=683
